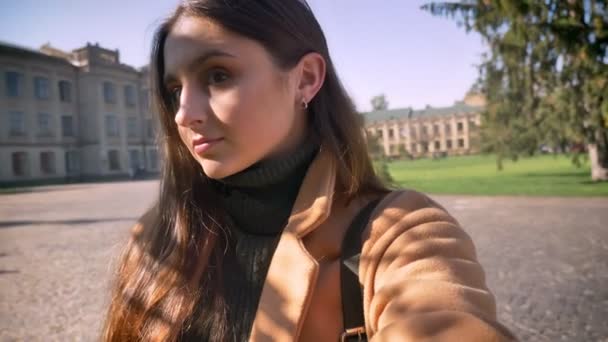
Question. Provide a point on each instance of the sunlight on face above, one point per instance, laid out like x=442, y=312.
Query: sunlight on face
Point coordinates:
x=234, y=107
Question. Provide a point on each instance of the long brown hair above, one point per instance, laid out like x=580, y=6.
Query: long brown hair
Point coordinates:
x=173, y=260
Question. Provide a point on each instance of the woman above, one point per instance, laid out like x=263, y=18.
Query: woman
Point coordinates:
x=265, y=168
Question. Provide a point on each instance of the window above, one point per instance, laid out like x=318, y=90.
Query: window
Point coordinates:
x=47, y=163
x=134, y=159
x=129, y=95
x=13, y=81
x=44, y=124
x=413, y=148
x=153, y=159
x=461, y=143
x=72, y=161
x=109, y=92
x=20, y=165
x=391, y=133
x=112, y=129
x=425, y=147
x=437, y=145
x=460, y=127
x=67, y=126
x=108, y=57
x=114, y=160
x=41, y=88
x=132, y=127
x=16, y=124
x=448, y=128
x=449, y=144
x=65, y=91
x=413, y=134
x=435, y=129
x=149, y=128
x=145, y=99
x=424, y=130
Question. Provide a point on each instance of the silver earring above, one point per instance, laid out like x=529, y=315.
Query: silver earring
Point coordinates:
x=304, y=104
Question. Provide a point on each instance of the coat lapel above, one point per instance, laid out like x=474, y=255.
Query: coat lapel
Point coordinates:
x=293, y=272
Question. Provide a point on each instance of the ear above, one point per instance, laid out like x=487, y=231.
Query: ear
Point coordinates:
x=311, y=77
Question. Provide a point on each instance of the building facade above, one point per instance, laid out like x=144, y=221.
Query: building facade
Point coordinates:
x=73, y=115
x=428, y=132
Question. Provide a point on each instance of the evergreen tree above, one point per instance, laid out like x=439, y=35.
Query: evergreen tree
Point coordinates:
x=545, y=75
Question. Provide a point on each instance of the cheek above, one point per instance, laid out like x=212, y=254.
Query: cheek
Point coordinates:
x=228, y=106
x=248, y=112
x=256, y=118
x=266, y=111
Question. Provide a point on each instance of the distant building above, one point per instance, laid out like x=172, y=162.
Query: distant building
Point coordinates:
x=430, y=131
x=73, y=115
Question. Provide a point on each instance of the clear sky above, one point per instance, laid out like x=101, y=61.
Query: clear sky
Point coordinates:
x=378, y=46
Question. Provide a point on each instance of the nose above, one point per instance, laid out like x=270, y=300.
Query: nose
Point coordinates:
x=192, y=107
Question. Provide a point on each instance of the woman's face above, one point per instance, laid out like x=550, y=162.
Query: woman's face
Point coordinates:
x=234, y=107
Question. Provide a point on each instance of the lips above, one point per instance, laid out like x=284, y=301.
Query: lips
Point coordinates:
x=202, y=145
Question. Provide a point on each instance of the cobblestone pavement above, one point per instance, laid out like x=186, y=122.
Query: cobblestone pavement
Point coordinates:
x=546, y=259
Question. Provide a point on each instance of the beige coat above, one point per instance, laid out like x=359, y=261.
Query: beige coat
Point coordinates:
x=419, y=271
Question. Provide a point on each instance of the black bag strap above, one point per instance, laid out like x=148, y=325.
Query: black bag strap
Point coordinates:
x=352, y=296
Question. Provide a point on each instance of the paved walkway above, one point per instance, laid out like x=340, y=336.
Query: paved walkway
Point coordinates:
x=546, y=259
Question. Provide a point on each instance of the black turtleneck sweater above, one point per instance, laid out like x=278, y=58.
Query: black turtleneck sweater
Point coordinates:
x=258, y=202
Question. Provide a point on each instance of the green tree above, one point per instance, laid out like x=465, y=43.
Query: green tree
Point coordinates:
x=376, y=151
x=381, y=168
x=379, y=102
x=402, y=151
x=545, y=75
x=374, y=146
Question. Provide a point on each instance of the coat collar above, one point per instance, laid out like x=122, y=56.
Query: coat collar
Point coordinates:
x=313, y=203
x=293, y=272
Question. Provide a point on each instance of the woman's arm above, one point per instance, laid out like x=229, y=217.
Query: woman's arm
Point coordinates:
x=421, y=277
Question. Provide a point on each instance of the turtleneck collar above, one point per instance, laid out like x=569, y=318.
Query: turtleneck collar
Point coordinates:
x=272, y=171
x=259, y=199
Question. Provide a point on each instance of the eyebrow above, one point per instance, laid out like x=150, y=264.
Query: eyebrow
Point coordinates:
x=167, y=78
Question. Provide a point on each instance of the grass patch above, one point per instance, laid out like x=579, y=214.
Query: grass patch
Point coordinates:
x=545, y=175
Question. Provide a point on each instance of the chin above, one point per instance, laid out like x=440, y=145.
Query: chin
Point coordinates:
x=216, y=169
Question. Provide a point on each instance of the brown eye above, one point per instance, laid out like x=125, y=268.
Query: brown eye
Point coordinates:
x=176, y=93
x=217, y=76
x=173, y=97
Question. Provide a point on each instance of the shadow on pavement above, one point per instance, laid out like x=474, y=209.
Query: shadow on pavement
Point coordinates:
x=2, y=272
x=11, y=224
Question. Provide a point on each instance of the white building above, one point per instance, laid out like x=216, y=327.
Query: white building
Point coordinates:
x=73, y=115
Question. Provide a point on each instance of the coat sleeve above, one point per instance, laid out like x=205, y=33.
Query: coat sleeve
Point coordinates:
x=421, y=277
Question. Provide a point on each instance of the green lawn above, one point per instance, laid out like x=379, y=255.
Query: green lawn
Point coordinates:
x=545, y=175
